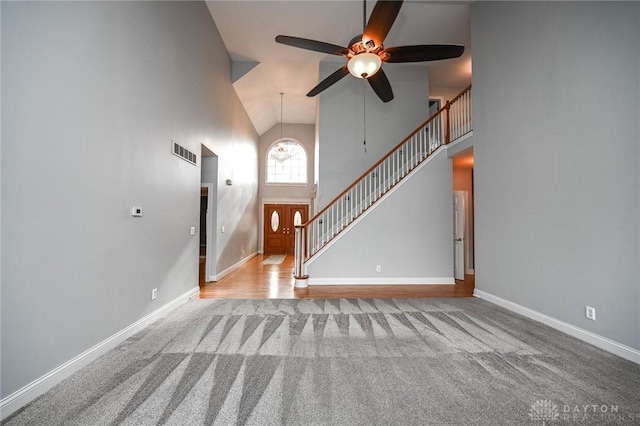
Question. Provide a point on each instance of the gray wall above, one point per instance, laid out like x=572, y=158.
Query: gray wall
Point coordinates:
x=556, y=107
x=92, y=95
x=340, y=123
x=409, y=234
x=237, y=204
x=396, y=235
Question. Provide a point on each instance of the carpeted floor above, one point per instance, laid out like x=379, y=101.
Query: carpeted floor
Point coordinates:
x=345, y=362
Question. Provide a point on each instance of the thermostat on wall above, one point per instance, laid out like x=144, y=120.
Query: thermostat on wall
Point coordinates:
x=136, y=211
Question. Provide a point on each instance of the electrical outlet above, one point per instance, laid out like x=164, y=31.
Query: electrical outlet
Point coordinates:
x=590, y=313
x=154, y=294
x=378, y=268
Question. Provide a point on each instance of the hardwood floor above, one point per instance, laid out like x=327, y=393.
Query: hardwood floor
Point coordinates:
x=254, y=280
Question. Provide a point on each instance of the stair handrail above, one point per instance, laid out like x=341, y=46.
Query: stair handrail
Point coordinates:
x=300, y=253
x=446, y=107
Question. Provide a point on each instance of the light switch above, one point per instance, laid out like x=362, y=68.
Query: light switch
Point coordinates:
x=193, y=230
x=222, y=229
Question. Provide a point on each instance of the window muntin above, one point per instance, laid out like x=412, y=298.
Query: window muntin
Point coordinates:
x=286, y=162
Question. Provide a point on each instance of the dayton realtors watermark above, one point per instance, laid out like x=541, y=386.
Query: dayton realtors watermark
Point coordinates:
x=545, y=411
x=595, y=413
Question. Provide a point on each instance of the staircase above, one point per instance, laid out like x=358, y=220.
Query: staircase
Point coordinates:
x=448, y=124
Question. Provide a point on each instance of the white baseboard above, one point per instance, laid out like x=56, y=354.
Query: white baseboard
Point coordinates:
x=382, y=281
x=39, y=386
x=232, y=268
x=608, y=345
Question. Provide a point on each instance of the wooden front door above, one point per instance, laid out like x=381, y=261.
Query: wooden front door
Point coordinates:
x=279, y=226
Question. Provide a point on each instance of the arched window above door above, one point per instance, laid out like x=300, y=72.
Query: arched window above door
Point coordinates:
x=286, y=162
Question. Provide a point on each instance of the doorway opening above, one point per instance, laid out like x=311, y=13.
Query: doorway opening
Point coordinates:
x=435, y=104
x=463, y=215
x=204, y=202
x=208, y=216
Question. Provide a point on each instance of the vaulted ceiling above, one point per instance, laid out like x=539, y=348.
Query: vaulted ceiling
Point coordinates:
x=262, y=68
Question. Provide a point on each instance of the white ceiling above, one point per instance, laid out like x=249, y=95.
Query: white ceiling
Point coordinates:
x=248, y=29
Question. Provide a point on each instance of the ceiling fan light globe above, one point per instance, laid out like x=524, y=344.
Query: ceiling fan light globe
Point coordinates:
x=364, y=65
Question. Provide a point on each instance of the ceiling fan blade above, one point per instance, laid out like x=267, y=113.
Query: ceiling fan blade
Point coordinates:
x=380, y=84
x=316, y=46
x=383, y=16
x=425, y=52
x=327, y=82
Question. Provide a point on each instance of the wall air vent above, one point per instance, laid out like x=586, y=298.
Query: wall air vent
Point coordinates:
x=184, y=153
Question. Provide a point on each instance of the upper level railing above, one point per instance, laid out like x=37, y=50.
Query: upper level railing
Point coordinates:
x=449, y=123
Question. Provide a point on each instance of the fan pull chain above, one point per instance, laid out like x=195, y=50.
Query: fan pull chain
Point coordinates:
x=364, y=113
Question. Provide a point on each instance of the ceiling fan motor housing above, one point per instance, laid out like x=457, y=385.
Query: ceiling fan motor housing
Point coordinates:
x=357, y=46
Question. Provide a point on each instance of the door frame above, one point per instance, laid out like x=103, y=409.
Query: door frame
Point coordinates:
x=469, y=233
x=263, y=202
x=462, y=212
x=210, y=246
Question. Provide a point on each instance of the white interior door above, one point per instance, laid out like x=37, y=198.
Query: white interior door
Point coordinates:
x=458, y=235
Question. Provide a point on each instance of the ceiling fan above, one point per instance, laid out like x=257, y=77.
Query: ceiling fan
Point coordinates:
x=366, y=52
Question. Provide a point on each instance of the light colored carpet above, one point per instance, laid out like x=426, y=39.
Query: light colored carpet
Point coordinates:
x=344, y=362
x=274, y=259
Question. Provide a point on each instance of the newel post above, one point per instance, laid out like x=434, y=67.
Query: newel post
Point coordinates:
x=301, y=280
x=447, y=135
